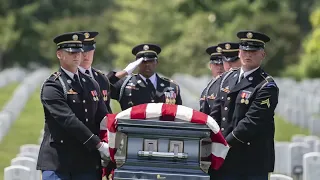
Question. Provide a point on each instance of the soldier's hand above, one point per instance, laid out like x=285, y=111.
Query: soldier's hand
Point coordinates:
x=132, y=66
x=104, y=150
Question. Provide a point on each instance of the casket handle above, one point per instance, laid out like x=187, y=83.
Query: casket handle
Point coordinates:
x=163, y=154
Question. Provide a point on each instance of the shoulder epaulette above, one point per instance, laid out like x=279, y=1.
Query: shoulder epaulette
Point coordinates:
x=234, y=69
x=99, y=71
x=56, y=75
x=170, y=80
x=269, y=82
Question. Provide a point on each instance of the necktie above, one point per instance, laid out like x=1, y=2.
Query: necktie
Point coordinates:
x=87, y=72
x=241, y=77
x=77, y=80
x=150, y=86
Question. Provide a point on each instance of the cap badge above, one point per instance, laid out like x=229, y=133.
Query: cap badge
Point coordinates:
x=249, y=35
x=218, y=49
x=227, y=46
x=87, y=35
x=75, y=37
x=145, y=47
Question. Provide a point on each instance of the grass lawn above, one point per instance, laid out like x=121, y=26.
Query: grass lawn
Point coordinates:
x=25, y=130
x=6, y=93
x=285, y=130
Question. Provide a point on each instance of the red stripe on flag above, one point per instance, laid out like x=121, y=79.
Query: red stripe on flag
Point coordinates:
x=168, y=112
x=216, y=162
x=113, y=152
x=103, y=135
x=199, y=117
x=111, y=126
x=218, y=138
x=138, y=112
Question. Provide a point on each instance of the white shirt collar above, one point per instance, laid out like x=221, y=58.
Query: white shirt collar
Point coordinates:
x=83, y=70
x=153, y=79
x=70, y=74
x=247, y=72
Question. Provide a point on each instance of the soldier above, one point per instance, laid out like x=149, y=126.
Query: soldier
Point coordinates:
x=147, y=86
x=209, y=93
x=230, y=57
x=245, y=111
x=89, y=46
x=73, y=108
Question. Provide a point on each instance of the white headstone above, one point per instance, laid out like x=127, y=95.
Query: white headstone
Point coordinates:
x=315, y=126
x=280, y=177
x=317, y=146
x=311, y=140
x=17, y=173
x=31, y=148
x=28, y=154
x=281, y=157
x=296, y=152
x=27, y=162
x=311, y=165
x=298, y=138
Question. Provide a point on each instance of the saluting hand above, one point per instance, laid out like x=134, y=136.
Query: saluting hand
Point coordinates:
x=132, y=66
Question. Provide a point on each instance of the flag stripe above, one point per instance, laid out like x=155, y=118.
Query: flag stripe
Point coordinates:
x=168, y=112
x=184, y=113
x=153, y=110
x=138, y=112
x=199, y=117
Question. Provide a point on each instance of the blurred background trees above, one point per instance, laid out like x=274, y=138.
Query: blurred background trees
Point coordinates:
x=183, y=28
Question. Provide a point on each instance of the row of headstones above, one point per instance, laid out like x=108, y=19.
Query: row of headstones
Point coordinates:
x=10, y=75
x=301, y=104
x=22, y=93
x=299, y=158
x=23, y=166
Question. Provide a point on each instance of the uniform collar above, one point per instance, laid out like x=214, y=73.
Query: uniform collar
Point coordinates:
x=246, y=73
x=153, y=79
x=70, y=74
x=83, y=70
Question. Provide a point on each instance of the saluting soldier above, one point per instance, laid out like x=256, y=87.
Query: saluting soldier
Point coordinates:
x=209, y=93
x=230, y=58
x=245, y=111
x=73, y=109
x=147, y=86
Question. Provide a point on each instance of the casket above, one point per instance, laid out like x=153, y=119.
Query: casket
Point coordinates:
x=161, y=141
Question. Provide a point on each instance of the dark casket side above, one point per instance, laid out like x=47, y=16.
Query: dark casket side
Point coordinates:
x=162, y=150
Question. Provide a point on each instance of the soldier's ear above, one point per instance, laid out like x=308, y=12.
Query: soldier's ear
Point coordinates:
x=59, y=55
x=209, y=65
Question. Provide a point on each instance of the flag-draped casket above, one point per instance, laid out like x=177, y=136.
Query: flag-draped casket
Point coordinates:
x=163, y=141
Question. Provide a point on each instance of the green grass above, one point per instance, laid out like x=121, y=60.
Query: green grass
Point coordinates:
x=285, y=130
x=6, y=93
x=25, y=130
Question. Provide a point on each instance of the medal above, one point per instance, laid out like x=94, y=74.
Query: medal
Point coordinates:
x=242, y=101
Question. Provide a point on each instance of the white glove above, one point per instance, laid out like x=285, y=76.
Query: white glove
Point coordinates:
x=104, y=150
x=132, y=66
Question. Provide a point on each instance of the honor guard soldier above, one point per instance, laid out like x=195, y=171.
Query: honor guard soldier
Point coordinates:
x=89, y=46
x=245, y=111
x=230, y=52
x=147, y=86
x=73, y=108
x=216, y=67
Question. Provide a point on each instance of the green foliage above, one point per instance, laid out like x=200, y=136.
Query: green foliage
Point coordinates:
x=183, y=28
x=309, y=66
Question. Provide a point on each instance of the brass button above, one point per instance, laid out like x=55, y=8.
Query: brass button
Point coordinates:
x=84, y=101
x=226, y=108
x=222, y=129
x=228, y=98
x=223, y=119
x=61, y=141
x=73, y=101
x=85, y=110
x=248, y=144
x=87, y=119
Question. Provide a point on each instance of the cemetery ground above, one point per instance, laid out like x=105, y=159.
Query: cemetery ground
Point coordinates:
x=25, y=130
x=6, y=93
